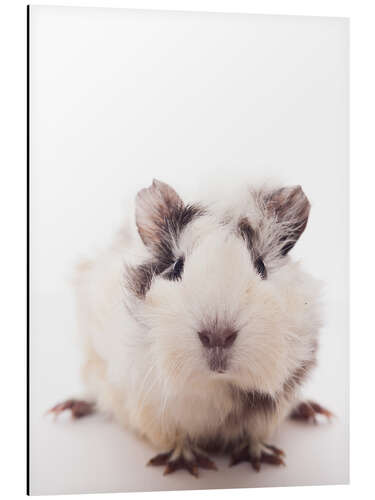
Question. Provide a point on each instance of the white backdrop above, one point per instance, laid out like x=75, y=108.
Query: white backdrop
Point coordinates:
x=118, y=97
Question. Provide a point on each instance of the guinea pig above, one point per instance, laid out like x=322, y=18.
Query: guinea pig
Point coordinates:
x=198, y=329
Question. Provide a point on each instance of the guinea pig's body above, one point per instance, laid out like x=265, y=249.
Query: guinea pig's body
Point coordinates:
x=198, y=328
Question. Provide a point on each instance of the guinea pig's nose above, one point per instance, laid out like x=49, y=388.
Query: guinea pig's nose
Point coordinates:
x=217, y=338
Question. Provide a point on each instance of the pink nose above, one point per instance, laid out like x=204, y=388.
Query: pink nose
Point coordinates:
x=217, y=338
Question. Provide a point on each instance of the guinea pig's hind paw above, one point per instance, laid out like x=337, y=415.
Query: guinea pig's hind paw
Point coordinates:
x=264, y=453
x=188, y=459
x=307, y=411
x=78, y=408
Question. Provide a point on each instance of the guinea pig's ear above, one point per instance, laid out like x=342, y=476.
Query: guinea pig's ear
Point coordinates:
x=288, y=210
x=153, y=205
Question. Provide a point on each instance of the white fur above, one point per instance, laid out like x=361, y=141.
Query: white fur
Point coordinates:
x=144, y=361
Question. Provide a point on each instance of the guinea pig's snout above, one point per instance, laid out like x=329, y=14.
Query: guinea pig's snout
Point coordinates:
x=217, y=338
x=216, y=343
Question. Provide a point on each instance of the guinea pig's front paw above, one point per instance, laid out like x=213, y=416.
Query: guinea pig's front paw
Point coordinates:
x=79, y=408
x=307, y=411
x=183, y=457
x=257, y=454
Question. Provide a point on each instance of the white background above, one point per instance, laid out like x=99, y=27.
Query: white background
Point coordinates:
x=118, y=97
x=12, y=200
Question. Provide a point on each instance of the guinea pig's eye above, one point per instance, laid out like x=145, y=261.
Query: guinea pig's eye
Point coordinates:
x=261, y=268
x=178, y=267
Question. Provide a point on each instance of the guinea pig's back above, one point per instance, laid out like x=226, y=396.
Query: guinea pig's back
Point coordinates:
x=105, y=327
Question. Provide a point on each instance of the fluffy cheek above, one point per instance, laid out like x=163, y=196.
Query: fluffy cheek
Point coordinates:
x=176, y=349
x=279, y=328
x=260, y=359
x=176, y=356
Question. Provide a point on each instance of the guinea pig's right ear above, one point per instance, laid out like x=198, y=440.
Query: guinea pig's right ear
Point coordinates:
x=153, y=206
x=287, y=210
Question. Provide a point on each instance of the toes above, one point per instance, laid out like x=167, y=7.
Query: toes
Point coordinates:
x=171, y=467
x=255, y=464
x=81, y=409
x=78, y=408
x=204, y=462
x=269, y=458
x=277, y=451
x=307, y=411
x=321, y=410
x=60, y=407
x=181, y=463
x=303, y=411
x=269, y=455
x=160, y=459
x=192, y=468
x=189, y=460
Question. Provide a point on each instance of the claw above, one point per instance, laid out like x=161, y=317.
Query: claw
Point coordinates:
x=271, y=459
x=321, y=410
x=196, y=459
x=307, y=411
x=255, y=464
x=160, y=459
x=269, y=455
x=275, y=450
x=181, y=463
x=204, y=462
x=78, y=408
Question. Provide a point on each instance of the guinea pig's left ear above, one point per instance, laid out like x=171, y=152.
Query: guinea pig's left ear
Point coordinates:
x=289, y=209
x=153, y=205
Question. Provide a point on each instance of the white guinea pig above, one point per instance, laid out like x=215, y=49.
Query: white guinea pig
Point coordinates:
x=198, y=328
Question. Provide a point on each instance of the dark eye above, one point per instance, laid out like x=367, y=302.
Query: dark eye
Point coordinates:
x=178, y=267
x=261, y=268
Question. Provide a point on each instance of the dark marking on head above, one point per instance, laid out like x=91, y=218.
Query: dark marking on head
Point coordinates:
x=261, y=268
x=175, y=273
x=161, y=217
x=250, y=235
x=282, y=217
x=169, y=231
x=138, y=279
